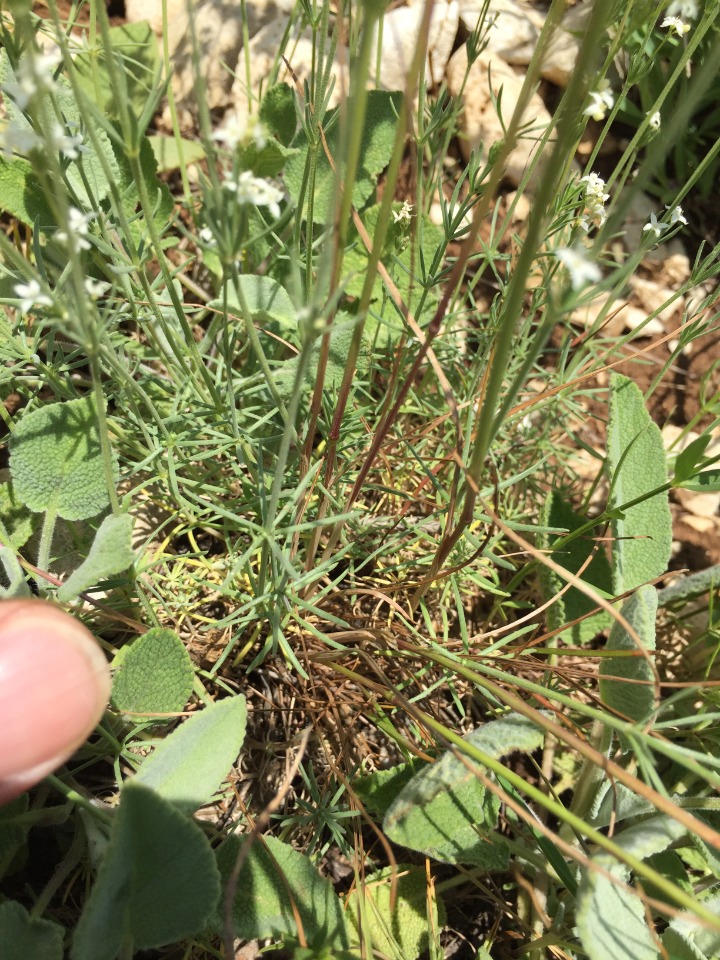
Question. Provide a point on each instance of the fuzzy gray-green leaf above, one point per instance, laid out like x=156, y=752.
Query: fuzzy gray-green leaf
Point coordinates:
x=636, y=461
x=56, y=460
x=111, y=552
x=627, y=683
x=441, y=810
x=158, y=882
x=155, y=674
x=189, y=766
x=274, y=879
x=23, y=937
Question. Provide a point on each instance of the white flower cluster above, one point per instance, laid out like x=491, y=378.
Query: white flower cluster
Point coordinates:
x=404, y=213
x=240, y=130
x=601, y=100
x=255, y=192
x=76, y=235
x=582, y=270
x=595, y=198
x=34, y=76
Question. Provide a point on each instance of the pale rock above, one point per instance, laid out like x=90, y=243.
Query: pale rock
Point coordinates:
x=634, y=318
x=400, y=33
x=262, y=51
x=620, y=317
x=522, y=206
x=676, y=269
x=701, y=524
x=651, y=297
x=514, y=27
x=218, y=26
x=562, y=51
x=702, y=504
x=479, y=119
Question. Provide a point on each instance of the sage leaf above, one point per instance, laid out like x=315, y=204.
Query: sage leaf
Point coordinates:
x=23, y=936
x=154, y=674
x=111, y=552
x=158, y=882
x=191, y=763
x=56, y=460
x=636, y=462
x=274, y=881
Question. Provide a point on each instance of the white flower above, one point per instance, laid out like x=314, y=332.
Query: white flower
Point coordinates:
x=96, y=288
x=69, y=145
x=687, y=9
x=655, y=120
x=581, y=270
x=594, y=214
x=34, y=75
x=31, y=295
x=676, y=24
x=601, y=100
x=18, y=137
x=77, y=232
x=676, y=215
x=404, y=213
x=654, y=226
x=238, y=130
x=257, y=192
x=207, y=237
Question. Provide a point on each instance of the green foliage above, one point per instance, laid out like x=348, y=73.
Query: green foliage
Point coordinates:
x=134, y=47
x=277, y=112
x=627, y=684
x=23, y=936
x=16, y=521
x=274, y=882
x=267, y=302
x=21, y=194
x=446, y=813
x=157, y=883
x=111, y=552
x=574, y=557
x=154, y=674
x=636, y=462
x=56, y=460
x=399, y=927
x=189, y=766
x=377, y=142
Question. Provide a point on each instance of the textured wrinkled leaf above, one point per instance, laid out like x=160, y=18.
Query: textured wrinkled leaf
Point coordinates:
x=158, y=882
x=17, y=585
x=399, y=930
x=275, y=877
x=377, y=142
x=340, y=340
x=441, y=810
x=636, y=461
x=277, y=112
x=627, y=683
x=136, y=54
x=378, y=790
x=572, y=603
x=190, y=765
x=691, y=586
x=154, y=675
x=266, y=300
x=56, y=460
x=611, y=921
x=12, y=832
x=15, y=519
x=692, y=941
x=265, y=161
x=167, y=156
x=111, y=552
x=23, y=937
x=610, y=916
x=21, y=194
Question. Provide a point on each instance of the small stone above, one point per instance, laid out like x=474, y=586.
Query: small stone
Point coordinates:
x=515, y=27
x=400, y=32
x=479, y=119
x=561, y=55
